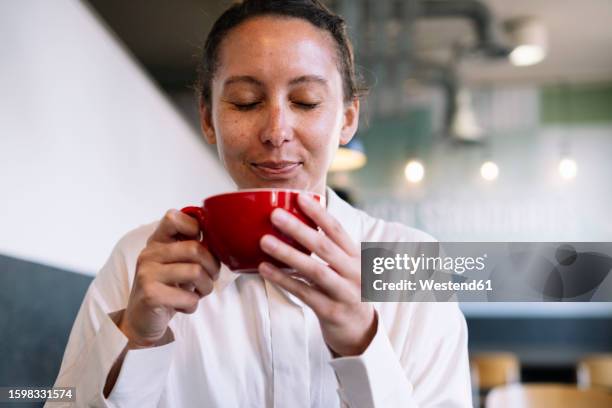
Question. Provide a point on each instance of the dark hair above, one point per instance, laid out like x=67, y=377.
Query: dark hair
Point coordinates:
x=312, y=11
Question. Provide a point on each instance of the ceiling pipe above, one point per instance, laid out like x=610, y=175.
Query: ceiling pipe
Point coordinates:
x=487, y=44
x=477, y=13
x=445, y=77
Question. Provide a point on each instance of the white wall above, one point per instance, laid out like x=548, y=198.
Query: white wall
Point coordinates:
x=89, y=147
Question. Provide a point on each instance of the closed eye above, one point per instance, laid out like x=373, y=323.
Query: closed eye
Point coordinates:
x=306, y=106
x=246, y=106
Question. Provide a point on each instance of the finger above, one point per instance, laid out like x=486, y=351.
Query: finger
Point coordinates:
x=310, y=296
x=189, y=276
x=175, y=223
x=179, y=299
x=203, y=285
x=314, y=271
x=310, y=238
x=185, y=251
x=330, y=226
x=187, y=286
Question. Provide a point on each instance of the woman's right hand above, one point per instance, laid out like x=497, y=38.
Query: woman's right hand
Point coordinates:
x=172, y=275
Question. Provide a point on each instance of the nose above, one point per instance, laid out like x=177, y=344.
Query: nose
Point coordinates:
x=278, y=128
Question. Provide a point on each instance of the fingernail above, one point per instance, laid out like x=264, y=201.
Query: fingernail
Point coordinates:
x=264, y=269
x=268, y=242
x=280, y=215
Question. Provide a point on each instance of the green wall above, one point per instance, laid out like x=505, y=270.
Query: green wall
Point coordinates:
x=567, y=104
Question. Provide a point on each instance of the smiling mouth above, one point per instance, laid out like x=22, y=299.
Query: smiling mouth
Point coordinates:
x=276, y=170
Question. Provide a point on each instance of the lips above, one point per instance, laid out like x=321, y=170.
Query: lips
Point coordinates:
x=276, y=169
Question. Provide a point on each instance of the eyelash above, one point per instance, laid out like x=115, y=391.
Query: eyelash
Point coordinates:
x=250, y=106
x=306, y=106
x=246, y=106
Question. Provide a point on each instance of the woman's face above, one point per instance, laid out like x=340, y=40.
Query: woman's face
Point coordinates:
x=278, y=112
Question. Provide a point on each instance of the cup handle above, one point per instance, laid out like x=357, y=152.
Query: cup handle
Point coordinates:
x=198, y=214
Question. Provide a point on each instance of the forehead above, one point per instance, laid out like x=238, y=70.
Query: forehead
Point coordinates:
x=279, y=48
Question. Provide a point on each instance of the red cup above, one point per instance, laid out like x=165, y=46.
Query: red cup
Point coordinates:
x=232, y=225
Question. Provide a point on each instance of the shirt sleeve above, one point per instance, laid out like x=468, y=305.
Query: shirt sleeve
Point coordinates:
x=430, y=368
x=95, y=342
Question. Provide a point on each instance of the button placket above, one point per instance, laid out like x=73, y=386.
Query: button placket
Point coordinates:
x=290, y=362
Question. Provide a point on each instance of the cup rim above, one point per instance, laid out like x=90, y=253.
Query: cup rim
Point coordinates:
x=262, y=189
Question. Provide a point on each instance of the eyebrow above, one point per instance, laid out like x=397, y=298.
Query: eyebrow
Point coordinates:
x=242, y=78
x=296, y=81
x=308, y=78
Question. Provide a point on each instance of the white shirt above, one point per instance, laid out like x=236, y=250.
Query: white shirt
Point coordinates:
x=252, y=344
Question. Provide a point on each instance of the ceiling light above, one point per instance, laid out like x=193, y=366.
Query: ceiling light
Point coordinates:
x=489, y=171
x=414, y=171
x=530, y=39
x=568, y=169
x=349, y=157
x=524, y=55
x=464, y=125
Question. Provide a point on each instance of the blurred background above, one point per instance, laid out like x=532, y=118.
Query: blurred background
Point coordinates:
x=486, y=120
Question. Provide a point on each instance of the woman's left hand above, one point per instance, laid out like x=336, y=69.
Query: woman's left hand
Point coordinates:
x=334, y=290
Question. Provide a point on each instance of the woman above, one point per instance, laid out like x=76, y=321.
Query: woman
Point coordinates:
x=278, y=95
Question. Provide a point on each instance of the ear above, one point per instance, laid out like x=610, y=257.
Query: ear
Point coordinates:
x=350, y=121
x=208, y=130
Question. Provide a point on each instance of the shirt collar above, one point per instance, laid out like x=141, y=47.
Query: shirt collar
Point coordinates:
x=337, y=208
x=347, y=215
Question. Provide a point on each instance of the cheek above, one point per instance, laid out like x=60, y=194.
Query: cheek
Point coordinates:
x=233, y=135
x=323, y=133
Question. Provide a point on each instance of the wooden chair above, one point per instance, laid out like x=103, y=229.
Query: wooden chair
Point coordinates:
x=493, y=369
x=595, y=371
x=547, y=396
